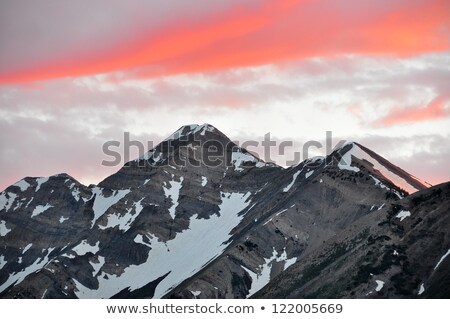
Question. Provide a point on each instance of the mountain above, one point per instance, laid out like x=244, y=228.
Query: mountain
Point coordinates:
x=200, y=217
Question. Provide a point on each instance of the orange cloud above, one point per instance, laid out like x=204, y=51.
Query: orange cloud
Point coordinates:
x=271, y=32
x=435, y=110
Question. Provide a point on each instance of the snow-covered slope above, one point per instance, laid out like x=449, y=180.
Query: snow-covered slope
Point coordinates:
x=177, y=259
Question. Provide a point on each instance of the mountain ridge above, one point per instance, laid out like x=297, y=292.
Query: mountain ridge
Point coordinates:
x=158, y=229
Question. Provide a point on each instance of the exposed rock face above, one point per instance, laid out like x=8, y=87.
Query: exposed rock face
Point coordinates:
x=182, y=223
x=399, y=251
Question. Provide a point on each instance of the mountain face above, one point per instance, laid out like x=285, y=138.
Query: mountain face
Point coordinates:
x=398, y=251
x=199, y=217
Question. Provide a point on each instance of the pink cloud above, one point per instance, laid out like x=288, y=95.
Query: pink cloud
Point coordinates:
x=434, y=110
x=238, y=35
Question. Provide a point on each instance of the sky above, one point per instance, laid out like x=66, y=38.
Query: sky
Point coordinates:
x=76, y=74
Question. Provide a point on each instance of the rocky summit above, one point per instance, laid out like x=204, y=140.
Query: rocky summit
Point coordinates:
x=200, y=217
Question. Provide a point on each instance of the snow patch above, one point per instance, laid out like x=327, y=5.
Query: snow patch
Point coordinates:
x=83, y=248
x=22, y=184
x=172, y=193
x=195, y=293
x=178, y=133
x=314, y=159
x=19, y=204
x=153, y=154
x=294, y=177
x=379, y=183
x=261, y=276
x=192, y=129
x=289, y=262
x=29, y=202
x=2, y=261
x=40, y=181
x=102, y=203
x=403, y=214
x=442, y=259
x=308, y=174
x=62, y=219
x=97, y=265
x=3, y=229
x=238, y=158
x=50, y=269
x=346, y=161
x=139, y=239
x=17, y=278
x=26, y=248
x=204, y=181
x=203, y=242
x=380, y=285
x=147, y=155
x=75, y=192
x=281, y=212
x=421, y=289
x=40, y=209
x=6, y=200
x=123, y=222
x=157, y=158
x=204, y=128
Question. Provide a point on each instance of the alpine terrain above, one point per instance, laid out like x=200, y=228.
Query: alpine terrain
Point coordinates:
x=199, y=217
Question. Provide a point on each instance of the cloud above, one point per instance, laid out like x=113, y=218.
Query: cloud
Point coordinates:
x=437, y=108
x=60, y=125
x=217, y=38
x=368, y=88
x=34, y=144
x=422, y=155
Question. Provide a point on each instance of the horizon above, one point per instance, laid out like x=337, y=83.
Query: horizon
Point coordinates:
x=73, y=78
x=297, y=157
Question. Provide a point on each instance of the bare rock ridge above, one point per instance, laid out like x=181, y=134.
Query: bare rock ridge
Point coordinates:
x=199, y=217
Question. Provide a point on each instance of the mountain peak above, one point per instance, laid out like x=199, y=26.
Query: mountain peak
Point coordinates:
x=185, y=132
x=195, y=138
x=353, y=153
x=191, y=129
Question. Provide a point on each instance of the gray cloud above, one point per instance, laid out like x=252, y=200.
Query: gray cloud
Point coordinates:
x=427, y=156
x=32, y=147
x=45, y=31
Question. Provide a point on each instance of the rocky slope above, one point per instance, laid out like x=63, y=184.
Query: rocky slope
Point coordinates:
x=175, y=224
x=397, y=252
